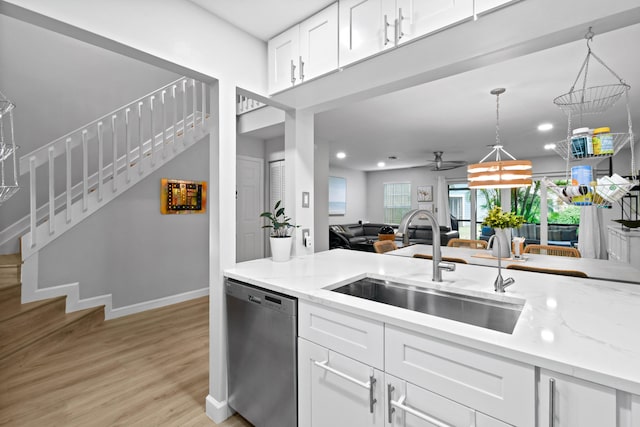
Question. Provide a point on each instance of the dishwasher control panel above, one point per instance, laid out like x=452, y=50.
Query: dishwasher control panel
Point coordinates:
x=259, y=296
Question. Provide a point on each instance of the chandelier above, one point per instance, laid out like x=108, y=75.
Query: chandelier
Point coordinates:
x=7, y=150
x=499, y=173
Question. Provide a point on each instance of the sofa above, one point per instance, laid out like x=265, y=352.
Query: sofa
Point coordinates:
x=361, y=236
x=558, y=235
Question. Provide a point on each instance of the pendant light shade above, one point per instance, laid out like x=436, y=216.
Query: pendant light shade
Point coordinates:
x=499, y=173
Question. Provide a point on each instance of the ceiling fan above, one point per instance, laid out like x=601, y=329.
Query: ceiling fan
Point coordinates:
x=437, y=164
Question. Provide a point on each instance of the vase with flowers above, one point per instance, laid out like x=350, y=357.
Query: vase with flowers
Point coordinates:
x=280, y=236
x=502, y=222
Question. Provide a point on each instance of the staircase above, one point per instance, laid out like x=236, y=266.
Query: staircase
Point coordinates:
x=24, y=328
x=87, y=168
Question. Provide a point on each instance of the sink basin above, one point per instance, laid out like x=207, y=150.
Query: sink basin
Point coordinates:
x=487, y=313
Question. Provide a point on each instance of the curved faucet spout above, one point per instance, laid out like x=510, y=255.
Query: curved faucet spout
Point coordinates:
x=438, y=265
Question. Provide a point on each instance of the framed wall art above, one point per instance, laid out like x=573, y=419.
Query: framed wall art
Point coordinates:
x=425, y=193
x=182, y=197
x=337, y=196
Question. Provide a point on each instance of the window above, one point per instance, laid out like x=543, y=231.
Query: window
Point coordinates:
x=460, y=207
x=397, y=201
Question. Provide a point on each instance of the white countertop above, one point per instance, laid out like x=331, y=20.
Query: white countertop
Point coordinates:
x=594, y=268
x=581, y=327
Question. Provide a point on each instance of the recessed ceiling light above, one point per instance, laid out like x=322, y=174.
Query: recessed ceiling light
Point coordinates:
x=550, y=146
x=341, y=154
x=545, y=127
x=381, y=164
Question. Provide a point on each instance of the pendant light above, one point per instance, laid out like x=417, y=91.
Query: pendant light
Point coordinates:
x=499, y=173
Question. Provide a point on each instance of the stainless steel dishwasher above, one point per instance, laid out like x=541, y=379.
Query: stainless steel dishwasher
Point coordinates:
x=262, y=355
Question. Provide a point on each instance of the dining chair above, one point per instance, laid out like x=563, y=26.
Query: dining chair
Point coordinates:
x=574, y=273
x=382, y=246
x=467, y=243
x=552, y=250
x=444, y=258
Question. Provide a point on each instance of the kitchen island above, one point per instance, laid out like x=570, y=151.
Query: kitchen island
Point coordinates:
x=573, y=334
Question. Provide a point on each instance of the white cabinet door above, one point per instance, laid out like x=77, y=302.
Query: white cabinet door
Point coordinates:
x=412, y=406
x=485, y=5
x=419, y=17
x=483, y=420
x=336, y=391
x=283, y=53
x=366, y=28
x=564, y=401
x=319, y=44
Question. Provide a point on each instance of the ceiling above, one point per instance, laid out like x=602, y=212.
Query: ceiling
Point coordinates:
x=456, y=115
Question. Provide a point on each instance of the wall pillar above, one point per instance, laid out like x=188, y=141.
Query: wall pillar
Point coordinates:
x=299, y=167
x=222, y=243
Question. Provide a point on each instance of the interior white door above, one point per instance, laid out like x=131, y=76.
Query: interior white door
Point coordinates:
x=419, y=17
x=249, y=205
x=319, y=44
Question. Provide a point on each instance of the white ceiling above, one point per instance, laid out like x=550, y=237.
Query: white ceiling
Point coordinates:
x=266, y=18
x=456, y=114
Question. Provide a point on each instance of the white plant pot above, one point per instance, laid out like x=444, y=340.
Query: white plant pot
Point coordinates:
x=281, y=248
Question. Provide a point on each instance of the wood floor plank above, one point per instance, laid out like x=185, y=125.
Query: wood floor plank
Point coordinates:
x=147, y=369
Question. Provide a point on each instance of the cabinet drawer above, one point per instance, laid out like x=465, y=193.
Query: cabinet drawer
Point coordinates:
x=498, y=387
x=359, y=338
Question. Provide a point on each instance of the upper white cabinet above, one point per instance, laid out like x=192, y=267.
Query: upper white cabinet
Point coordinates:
x=565, y=401
x=368, y=27
x=486, y=5
x=305, y=51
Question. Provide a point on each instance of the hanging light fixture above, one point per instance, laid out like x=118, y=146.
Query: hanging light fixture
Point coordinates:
x=7, y=149
x=499, y=173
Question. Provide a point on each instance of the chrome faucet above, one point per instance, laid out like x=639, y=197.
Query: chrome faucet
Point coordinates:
x=438, y=264
x=501, y=284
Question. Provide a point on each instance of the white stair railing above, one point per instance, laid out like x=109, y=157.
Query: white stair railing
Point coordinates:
x=245, y=104
x=122, y=147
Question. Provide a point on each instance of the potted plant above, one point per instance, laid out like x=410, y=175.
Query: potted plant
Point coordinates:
x=280, y=236
x=500, y=221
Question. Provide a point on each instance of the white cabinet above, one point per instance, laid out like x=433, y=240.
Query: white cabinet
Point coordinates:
x=501, y=388
x=305, y=51
x=337, y=391
x=409, y=405
x=486, y=5
x=368, y=27
x=565, y=401
x=624, y=245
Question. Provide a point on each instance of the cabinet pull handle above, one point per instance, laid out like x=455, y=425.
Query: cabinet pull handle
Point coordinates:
x=386, y=30
x=390, y=408
x=400, y=405
x=301, y=69
x=400, y=19
x=368, y=385
x=293, y=71
x=552, y=409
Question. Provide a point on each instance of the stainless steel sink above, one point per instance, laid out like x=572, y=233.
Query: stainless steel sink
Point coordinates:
x=487, y=313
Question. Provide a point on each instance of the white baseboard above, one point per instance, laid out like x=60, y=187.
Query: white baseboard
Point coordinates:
x=217, y=411
x=156, y=303
x=30, y=293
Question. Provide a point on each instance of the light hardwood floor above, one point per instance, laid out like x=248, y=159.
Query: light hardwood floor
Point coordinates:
x=147, y=369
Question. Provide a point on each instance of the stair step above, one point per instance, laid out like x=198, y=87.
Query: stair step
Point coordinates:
x=11, y=305
x=10, y=266
x=46, y=322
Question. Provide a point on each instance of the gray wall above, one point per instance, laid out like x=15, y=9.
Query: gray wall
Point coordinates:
x=129, y=249
x=58, y=84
